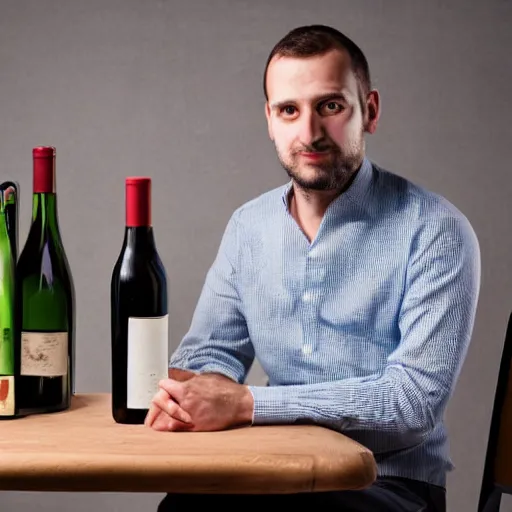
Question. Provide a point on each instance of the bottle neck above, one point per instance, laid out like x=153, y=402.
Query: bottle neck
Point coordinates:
x=4, y=234
x=44, y=210
x=140, y=238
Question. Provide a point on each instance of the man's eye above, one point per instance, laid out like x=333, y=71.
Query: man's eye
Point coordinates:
x=331, y=107
x=289, y=110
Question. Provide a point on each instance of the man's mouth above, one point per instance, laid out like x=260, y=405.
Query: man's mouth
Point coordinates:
x=314, y=155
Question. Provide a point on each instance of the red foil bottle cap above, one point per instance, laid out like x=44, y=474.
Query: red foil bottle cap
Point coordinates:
x=44, y=169
x=138, y=201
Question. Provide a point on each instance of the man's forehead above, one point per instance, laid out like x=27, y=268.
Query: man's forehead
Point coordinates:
x=335, y=60
x=307, y=79
x=329, y=71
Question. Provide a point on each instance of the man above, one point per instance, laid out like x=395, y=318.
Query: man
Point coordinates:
x=354, y=288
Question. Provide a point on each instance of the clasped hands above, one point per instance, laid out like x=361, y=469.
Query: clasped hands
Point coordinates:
x=199, y=403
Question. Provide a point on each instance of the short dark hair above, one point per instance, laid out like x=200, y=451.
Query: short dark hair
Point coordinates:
x=310, y=40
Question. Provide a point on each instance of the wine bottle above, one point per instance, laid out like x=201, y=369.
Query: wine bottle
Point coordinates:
x=8, y=256
x=45, y=303
x=139, y=315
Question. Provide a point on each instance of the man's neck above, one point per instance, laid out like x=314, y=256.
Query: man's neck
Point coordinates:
x=308, y=207
x=312, y=203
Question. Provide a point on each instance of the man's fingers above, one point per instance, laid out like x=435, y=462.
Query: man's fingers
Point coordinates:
x=164, y=423
x=151, y=415
x=167, y=404
x=173, y=388
x=174, y=425
x=164, y=401
x=176, y=412
x=154, y=409
x=176, y=391
x=161, y=422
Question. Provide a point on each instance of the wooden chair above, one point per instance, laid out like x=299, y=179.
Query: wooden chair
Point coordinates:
x=497, y=476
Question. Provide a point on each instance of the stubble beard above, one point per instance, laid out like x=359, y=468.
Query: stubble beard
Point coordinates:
x=333, y=174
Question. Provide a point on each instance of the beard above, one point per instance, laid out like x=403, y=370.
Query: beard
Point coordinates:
x=333, y=173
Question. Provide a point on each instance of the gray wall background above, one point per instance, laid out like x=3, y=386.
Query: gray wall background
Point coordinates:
x=172, y=89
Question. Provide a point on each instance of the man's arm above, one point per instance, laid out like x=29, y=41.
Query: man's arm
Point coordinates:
x=215, y=353
x=398, y=407
x=218, y=339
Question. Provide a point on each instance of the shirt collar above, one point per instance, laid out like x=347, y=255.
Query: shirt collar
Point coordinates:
x=356, y=193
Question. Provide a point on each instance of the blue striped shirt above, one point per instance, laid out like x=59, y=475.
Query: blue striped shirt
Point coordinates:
x=363, y=330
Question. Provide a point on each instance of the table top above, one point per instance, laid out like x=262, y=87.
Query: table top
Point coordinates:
x=83, y=449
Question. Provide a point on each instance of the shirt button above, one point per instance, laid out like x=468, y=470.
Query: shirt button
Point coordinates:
x=306, y=297
x=307, y=349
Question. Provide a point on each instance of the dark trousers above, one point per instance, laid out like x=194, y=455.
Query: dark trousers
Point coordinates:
x=387, y=494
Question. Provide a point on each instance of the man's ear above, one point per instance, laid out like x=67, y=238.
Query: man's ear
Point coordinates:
x=372, y=113
x=268, y=115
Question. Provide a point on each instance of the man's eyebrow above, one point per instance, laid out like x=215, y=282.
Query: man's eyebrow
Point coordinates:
x=324, y=97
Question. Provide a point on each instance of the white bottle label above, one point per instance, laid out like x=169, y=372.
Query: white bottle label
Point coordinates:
x=148, y=350
x=44, y=354
x=6, y=396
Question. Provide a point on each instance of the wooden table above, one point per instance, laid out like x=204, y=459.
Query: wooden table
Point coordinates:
x=83, y=449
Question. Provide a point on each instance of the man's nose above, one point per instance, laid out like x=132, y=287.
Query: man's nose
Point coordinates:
x=310, y=128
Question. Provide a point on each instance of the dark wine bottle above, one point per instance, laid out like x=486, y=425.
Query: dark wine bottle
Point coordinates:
x=139, y=315
x=45, y=307
x=8, y=254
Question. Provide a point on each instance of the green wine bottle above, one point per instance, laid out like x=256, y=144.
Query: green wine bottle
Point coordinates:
x=8, y=254
x=45, y=302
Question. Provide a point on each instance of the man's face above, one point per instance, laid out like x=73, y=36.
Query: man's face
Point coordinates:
x=315, y=118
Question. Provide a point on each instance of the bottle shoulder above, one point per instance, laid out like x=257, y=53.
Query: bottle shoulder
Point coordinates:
x=39, y=235
x=42, y=250
x=140, y=267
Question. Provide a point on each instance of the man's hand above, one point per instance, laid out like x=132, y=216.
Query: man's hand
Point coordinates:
x=203, y=402
x=159, y=418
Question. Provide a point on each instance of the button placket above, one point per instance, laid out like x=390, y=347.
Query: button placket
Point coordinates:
x=310, y=305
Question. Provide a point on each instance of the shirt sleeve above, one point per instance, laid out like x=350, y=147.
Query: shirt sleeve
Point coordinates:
x=218, y=339
x=400, y=405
